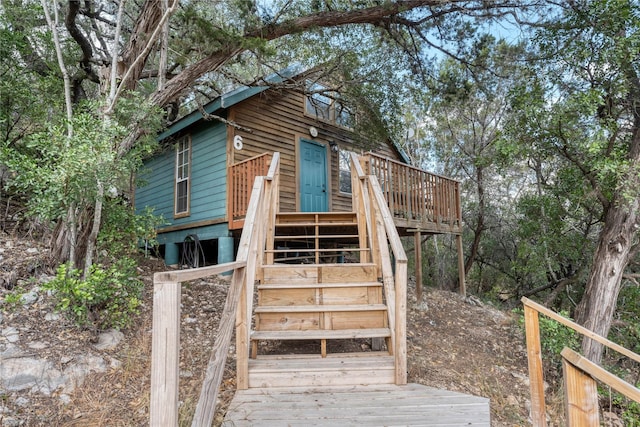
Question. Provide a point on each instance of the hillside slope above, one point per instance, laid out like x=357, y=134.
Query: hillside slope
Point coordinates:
x=453, y=343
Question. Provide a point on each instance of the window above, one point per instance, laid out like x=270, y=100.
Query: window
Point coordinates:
x=324, y=105
x=344, y=175
x=183, y=177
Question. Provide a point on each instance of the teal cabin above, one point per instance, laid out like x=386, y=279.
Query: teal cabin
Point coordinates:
x=201, y=180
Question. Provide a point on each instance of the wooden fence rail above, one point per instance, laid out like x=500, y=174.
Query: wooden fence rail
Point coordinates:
x=581, y=393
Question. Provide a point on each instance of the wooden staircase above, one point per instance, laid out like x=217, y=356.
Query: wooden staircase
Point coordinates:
x=321, y=278
x=319, y=286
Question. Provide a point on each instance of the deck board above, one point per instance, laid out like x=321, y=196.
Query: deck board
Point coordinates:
x=376, y=405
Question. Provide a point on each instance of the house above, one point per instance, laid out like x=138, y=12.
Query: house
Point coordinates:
x=201, y=181
x=321, y=250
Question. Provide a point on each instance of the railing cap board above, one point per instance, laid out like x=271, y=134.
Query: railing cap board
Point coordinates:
x=251, y=159
x=274, y=166
x=581, y=329
x=404, y=165
x=195, y=273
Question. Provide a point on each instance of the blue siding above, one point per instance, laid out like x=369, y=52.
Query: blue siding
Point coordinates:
x=208, y=184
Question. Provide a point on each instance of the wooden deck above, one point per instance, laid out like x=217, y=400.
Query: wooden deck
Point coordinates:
x=377, y=405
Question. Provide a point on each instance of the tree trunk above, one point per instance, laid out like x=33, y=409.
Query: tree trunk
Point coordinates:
x=95, y=229
x=477, y=231
x=598, y=303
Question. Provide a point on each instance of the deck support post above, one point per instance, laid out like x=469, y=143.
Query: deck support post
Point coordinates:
x=463, y=286
x=225, y=251
x=417, y=243
x=171, y=254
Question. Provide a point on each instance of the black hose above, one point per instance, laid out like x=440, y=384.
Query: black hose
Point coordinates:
x=192, y=252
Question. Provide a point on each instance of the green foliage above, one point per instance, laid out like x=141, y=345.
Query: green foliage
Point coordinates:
x=628, y=410
x=123, y=229
x=631, y=412
x=13, y=300
x=107, y=298
x=58, y=171
x=626, y=331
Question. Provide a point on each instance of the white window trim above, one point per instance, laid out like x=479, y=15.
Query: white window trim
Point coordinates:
x=341, y=152
x=332, y=110
x=178, y=180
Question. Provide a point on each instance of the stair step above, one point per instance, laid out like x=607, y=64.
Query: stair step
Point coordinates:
x=314, y=308
x=322, y=334
x=311, y=236
x=320, y=285
x=318, y=294
x=320, y=273
x=334, y=370
x=316, y=218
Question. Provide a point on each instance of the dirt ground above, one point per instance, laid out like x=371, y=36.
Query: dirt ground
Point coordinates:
x=454, y=343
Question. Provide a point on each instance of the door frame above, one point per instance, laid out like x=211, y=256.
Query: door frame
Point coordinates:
x=302, y=139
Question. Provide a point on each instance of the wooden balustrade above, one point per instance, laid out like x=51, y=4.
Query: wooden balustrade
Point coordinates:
x=417, y=198
x=241, y=177
x=380, y=233
x=237, y=311
x=581, y=392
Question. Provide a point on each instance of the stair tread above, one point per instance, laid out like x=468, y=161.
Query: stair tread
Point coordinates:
x=319, y=214
x=321, y=334
x=314, y=223
x=290, y=285
x=313, y=236
x=362, y=361
x=344, y=265
x=318, y=308
x=313, y=250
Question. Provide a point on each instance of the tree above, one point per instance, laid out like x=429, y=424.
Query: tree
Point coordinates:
x=160, y=52
x=469, y=107
x=585, y=109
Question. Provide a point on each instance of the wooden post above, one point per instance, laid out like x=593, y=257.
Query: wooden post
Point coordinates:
x=536, y=378
x=417, y=243
x=580, y=397
x=401, y=323
x=461, y=278
x=165, y=354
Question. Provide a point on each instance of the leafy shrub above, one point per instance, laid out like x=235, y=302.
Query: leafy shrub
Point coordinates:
x=123, y=229
x=107, y=298
x=13, y=300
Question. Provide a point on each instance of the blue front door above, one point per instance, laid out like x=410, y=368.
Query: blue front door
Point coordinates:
x=313, y=177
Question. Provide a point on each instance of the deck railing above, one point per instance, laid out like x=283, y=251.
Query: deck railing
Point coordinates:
x=378, y=231
x=165, y=349
x=417, y=198
x=241, y=177
x=580, y=374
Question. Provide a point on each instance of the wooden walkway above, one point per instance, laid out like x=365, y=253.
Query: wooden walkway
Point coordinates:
x=377, y=405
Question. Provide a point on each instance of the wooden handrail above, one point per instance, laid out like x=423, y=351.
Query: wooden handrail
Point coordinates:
x=197, y=273
x=382, y=233
x=580, y=329
x=571, y=360
x=601, y=374
x=407, y=166
x=166, y=313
